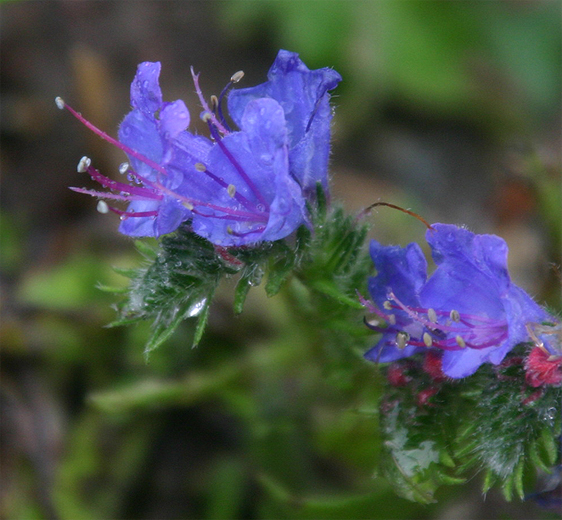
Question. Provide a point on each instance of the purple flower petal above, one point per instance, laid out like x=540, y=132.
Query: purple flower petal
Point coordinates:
x=170, y=215
x=238, y=188
x=140, y=132
x=174, y=118
x=303, y=95
x=146, y=95
x=272, y=196
x=463, y=363
x=404, y=270
x=468, y=309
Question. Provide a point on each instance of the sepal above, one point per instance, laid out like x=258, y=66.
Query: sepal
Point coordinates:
x=491, y=423
x=177, y=283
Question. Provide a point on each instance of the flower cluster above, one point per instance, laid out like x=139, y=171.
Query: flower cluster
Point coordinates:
x=237, y=187
x=468, y=311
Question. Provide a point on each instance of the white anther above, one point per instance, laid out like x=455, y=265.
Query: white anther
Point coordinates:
x=83, y=164
x=206, y=117
x=187, y=205
x=231, y=190
x=428, y=341
x=123, y=167
x=460, y=341
x=432, y=315
x=391, y=319
x=214, y=101
x=455, y=316
x=402, y=339
x=102, y=206
x=237, y=76
x=200, y=167
x=59, y=102
x=387, y=305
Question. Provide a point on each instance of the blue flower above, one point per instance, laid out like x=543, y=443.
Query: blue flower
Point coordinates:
x=469, y=310
x=303, y=96
x=237, y=188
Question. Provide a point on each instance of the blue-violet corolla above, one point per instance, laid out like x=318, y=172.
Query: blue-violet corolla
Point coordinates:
x=469, y=311
x=237, y=187
x=303, y=95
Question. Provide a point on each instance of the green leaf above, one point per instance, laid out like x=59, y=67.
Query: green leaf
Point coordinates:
x=507, y=487
x=489, y=480
x=321, y=208
x=490, y=422
x=127, y=272
x=241, y=292
x=202, y=320
x=160, y=333
x=412, y=461
x=536, y=459
x=549, y=445
x=518, y=479
x=280, y=269
x=177, y=283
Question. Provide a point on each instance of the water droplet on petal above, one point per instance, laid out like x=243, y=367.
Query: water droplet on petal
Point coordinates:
x=196, y=308
x=266, y=158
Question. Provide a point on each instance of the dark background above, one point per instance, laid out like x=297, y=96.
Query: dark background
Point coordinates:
x=451, y=109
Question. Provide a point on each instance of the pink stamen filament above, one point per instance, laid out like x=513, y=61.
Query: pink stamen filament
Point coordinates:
x=257, y=230
x=370, y=306
x=219, y=104
x=451, y=344
x=445, y=313
x=116, y=143
x=225, y=217
x=223, y=184
x=106, y=182
x=498, y=327
x=144, y=194
x=447, y=344
x=236, y=165
x=205, y=106
x=128, y=214
x=112, y=196
x=228, y=211
x=237, y=196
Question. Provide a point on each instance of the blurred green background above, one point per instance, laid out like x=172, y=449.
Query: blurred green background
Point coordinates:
x=449, y=108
